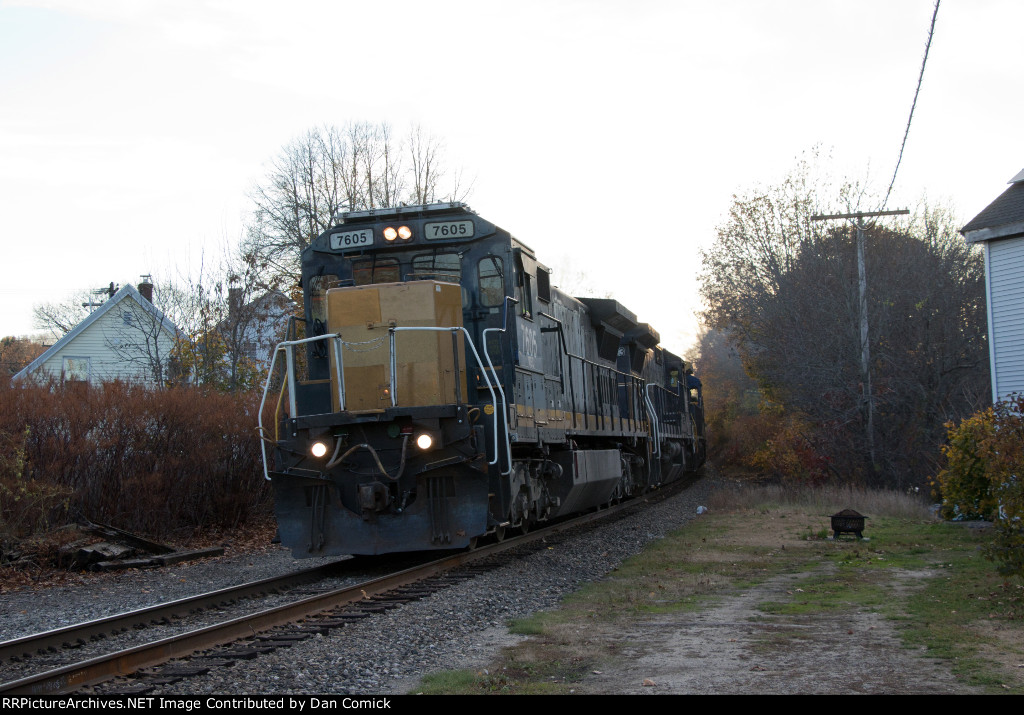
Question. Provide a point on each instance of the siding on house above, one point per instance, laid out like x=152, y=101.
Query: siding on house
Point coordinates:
x=1000, y=226
x=1006, y=314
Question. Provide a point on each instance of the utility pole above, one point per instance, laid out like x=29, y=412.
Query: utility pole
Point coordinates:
x=862, y=287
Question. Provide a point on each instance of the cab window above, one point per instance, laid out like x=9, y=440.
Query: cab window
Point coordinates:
x=437, y=266
x=491, y=279
x=318, y=286
x=366, y=271
x=525, y=294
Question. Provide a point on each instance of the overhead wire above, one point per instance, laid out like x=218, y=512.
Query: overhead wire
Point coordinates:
x=920, y=77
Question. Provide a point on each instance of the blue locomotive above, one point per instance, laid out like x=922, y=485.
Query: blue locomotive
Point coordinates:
x=444, y=390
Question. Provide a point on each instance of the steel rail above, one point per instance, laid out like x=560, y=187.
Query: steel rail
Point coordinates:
x=125, y=662
x=79, y=633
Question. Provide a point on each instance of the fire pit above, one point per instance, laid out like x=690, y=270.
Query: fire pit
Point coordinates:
x=848, y=521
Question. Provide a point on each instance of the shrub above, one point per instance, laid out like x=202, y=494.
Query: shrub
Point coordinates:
x=27, y=506
x=1005, y=459
x=965, y=485
x=985, y=478
x=789, y=453
x=158, y=462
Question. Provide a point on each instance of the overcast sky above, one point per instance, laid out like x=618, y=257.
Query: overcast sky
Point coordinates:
x=609, y=136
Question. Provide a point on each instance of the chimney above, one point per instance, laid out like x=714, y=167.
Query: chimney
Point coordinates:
x=146, y=287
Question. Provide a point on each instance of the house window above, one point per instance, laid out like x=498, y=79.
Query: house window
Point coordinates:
x=76, y=369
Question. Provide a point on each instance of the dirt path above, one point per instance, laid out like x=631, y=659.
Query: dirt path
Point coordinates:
x=734, y=648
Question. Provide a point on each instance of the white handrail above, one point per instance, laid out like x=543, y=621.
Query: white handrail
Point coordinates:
x=654, y=418
x=501, y=391
x=288, y=347
x=469, y=341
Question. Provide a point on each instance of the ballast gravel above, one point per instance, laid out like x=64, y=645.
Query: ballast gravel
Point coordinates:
x=462, y=626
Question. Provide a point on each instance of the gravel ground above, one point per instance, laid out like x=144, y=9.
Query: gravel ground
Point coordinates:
x=459, y=627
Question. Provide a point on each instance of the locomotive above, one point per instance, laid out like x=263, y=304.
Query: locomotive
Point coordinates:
x=440, y=389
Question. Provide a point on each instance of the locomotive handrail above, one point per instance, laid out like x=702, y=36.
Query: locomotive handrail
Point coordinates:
x=665, y=389
x=393, y=358
x=679, y=395
x=655, y=427
x=288, y=346
x=565, y=351
x=628, y=378
x=501, y=391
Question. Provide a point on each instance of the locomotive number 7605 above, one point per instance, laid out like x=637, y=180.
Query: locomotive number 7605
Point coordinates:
x=448, y=229
x=351, y=239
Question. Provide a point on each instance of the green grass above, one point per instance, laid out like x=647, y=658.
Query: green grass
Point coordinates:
x=957, y=613
x=927, y=577
x=534, y=624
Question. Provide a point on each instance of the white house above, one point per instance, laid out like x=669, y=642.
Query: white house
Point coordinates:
x=1000, y=228
x=126, y=338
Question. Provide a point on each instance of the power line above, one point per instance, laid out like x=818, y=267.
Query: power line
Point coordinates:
x=920, y=77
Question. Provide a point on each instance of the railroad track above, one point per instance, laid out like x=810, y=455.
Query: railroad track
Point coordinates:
x=248, y=635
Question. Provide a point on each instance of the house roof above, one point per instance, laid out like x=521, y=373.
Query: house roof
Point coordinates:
x=1002, y=218
x=128, y=291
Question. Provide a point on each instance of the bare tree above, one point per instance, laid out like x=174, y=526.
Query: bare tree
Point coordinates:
x=330, y=170
x=59, y=318
x=388, y=182
x=424, y=150
x=308, y=183
x=429, y=172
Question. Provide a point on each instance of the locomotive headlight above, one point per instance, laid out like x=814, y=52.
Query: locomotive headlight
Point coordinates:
x=390, y=234
x=404, y=233
x=318, y=450
x=424, y=441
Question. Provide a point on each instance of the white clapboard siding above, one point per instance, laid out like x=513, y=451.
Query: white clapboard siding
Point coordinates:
x=1006, y=301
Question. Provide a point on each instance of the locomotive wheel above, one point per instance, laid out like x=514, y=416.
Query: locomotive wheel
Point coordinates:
x=472, y=543
x=499, y=533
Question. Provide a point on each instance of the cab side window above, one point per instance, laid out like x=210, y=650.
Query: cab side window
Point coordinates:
x=543, y=284
x=491, y=279
x=318, y=286
x=525, y=285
